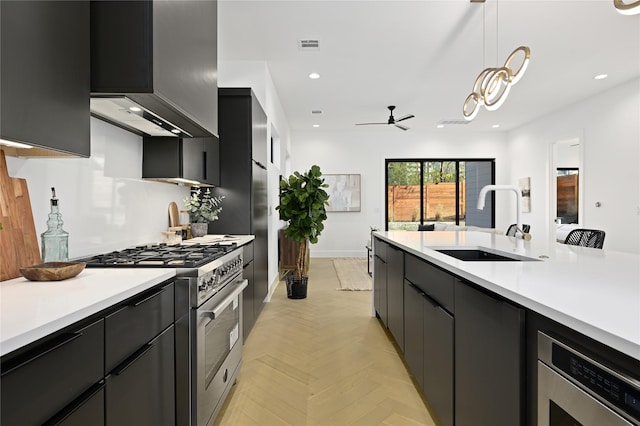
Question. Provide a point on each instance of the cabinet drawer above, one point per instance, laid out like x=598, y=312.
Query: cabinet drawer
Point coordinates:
x=438, y=284
x=141, y=390
x=40, y=383
x=380, y=248
x=135, y=324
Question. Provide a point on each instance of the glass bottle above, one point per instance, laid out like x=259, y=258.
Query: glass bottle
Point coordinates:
x=55, y=240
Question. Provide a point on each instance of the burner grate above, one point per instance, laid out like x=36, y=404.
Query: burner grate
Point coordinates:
x=161, y=255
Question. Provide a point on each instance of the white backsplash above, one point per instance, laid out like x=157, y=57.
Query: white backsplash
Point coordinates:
x=104, y=202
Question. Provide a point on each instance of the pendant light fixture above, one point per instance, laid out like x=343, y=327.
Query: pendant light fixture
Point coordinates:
x=632, y=8
x=492, y=86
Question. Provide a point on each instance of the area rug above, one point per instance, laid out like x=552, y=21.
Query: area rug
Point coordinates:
x=352, y=273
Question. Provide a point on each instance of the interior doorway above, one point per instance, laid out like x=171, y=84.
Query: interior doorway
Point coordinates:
x=566, y=179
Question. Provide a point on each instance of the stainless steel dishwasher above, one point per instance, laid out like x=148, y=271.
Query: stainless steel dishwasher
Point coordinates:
x=575, y=390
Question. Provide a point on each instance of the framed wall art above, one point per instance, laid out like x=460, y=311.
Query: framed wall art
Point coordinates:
x=344, y=192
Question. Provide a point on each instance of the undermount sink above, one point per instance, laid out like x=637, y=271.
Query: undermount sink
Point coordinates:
x=478, y=255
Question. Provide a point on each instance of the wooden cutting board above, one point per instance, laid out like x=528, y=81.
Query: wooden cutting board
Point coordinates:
x=174, y=215
x=18, y=239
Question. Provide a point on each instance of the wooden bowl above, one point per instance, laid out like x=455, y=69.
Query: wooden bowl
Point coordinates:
x=52, y=271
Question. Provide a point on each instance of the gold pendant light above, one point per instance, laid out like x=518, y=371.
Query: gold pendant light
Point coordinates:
x=492, y=86
x=627, y=8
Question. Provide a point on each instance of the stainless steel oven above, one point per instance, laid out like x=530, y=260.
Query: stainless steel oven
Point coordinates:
x=575, y=390
x=208, y=319
x=218, y=348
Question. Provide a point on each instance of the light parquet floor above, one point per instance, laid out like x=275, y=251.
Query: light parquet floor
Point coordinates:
x=323, y=360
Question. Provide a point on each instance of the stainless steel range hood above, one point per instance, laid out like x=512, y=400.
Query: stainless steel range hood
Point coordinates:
x=123, y=112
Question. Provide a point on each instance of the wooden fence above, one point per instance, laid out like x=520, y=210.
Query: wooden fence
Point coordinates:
x=440, y=202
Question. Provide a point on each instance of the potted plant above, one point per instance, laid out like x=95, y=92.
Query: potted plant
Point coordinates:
x=202, y=208
x=302, y=205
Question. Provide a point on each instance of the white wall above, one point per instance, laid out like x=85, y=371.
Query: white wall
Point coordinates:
x=105, y=204
x=364, y=153
x=255, y=74
x=608, y=128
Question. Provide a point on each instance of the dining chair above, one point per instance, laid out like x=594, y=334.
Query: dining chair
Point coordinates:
x=511, y=232
x=586, y=238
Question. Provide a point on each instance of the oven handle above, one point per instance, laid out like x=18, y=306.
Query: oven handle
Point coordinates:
x=215, y=312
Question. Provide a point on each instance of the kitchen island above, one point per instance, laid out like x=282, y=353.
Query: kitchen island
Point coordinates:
x=461, y=325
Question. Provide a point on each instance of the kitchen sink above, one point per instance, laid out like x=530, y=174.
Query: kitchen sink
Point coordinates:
x=478, y=255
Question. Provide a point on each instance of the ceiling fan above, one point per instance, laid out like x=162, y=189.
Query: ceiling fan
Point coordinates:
x=392, y=119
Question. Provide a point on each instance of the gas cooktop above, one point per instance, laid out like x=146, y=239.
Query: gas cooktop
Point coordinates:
x=161, y=256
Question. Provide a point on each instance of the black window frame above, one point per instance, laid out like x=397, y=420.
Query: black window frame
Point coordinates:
x=421, y=161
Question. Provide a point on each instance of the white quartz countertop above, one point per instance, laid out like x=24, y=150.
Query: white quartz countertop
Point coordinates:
x=595, y=292
x=30, y=310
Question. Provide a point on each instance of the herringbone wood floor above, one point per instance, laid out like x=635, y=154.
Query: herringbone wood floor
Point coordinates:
x=323, y=360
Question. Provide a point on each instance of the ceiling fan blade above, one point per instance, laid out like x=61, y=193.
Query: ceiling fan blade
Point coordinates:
x=366, y=124
x=400, y=126
x=406, y=117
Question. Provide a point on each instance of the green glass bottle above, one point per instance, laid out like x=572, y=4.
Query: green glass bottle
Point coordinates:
x=55, y=240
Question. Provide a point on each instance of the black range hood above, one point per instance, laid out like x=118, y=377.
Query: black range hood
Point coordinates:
x=154, y=66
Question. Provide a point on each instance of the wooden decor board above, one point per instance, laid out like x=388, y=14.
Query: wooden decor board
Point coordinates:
x=18, y=239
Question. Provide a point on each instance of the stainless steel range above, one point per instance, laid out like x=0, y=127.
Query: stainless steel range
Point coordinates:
x=208, y=319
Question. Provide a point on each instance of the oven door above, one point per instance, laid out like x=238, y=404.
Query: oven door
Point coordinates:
x=576, y=390
x=218, y=348
x=561, y=403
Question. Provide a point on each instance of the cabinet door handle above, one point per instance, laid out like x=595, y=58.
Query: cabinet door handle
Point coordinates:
x=132, y=359
x=433, y=302
x=66, y=412
x=52, y=346
x=147, y=298
x=204, y=165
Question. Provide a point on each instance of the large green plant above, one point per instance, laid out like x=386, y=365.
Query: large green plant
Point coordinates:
x=302, y=205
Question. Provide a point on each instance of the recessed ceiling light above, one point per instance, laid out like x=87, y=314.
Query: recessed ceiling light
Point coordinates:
x=176, y=131
x=495, y=126
x=314, y=76
x=316, y=125
x=440, y=126
x=600, y=76
x=135, y=109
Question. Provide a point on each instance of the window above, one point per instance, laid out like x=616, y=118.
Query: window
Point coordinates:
x=437, y=190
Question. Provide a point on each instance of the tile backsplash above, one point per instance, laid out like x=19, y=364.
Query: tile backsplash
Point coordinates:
x=104, y=202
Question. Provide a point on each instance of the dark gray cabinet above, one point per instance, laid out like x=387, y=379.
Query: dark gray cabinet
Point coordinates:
x=42, y=381
x=489, y=359
x=438, y=350
x=249, y=315
x=161, y=55
x=380, y=279
x=429, y=334
x=243, y=182
x=141, y=390
x=414, y=332
x=44, y=90
x=117, y=367
x=395, y=293
x=168, y=158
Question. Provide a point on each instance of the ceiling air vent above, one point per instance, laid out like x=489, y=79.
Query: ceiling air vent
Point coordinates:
x=308, y=44
x=453, y=121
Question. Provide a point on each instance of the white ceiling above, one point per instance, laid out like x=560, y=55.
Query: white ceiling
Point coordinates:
x=423, y=56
